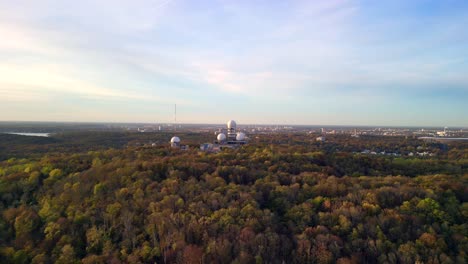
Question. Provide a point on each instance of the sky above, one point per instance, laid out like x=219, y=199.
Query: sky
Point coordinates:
x=330, y=62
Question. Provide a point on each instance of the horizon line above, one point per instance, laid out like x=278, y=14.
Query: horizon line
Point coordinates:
x=246, y=124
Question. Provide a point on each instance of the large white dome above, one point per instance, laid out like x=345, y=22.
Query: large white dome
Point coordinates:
x=240, y=136
x=175, y=140
x=231, y=124
x=221, y=137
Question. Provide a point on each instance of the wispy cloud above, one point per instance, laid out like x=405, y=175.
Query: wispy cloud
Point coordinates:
x=49, y=81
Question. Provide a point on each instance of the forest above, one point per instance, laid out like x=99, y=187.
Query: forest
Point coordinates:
x=118, y=197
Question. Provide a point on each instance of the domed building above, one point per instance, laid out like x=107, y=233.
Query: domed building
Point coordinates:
x=226, y=138
x=231, y=130
x=175, y=142
x=221, y=138
x=240, y=136
x=231, y=125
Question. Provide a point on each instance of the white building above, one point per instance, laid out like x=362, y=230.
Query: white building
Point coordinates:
x=226, y=138
x=175, y=142
x=320, y=139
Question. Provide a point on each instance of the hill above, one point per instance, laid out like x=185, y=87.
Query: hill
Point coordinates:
x=295, y=201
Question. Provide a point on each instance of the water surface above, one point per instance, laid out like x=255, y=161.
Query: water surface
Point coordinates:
x=29, y=134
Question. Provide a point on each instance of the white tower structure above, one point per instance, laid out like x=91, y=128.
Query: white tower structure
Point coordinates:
x=226, y=138
x=175, y=117
x=231, y=129
x=231, y=125
x=175, y=142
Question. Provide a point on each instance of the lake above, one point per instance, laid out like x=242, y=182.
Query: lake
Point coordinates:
x=29, y=134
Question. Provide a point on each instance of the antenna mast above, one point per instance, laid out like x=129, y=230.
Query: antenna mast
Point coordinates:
x=175, y=117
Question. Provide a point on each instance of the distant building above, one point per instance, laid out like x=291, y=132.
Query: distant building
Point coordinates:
x=226, y=138
x=320, y=139
x=231, y=130
x=442, y=133
x=209, y=147
x=175, y=142
x=221, y=138
x=355, y=135
x=240, y=137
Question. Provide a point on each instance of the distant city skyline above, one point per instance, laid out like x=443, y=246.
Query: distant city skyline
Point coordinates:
x=334, y=62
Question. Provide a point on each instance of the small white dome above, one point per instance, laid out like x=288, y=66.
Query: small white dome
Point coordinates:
x=221, y=137
x=240, y=136
x=175, y=140
x=231, y=124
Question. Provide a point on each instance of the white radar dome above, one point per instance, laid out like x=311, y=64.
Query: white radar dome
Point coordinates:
x=221, y=137
x=231, y=124
x=240, y=136
x=175, y=140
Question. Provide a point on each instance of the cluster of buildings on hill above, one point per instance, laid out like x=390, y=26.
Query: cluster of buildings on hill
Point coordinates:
x=410, y=154
x=228, y=137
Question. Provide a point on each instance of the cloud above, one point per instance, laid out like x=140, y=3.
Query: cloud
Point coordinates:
x=18, y=94
x=42, y=62
x=17, y=82
x=19, y=39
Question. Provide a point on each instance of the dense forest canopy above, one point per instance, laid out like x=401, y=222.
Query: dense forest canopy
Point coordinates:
x=112, y=197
